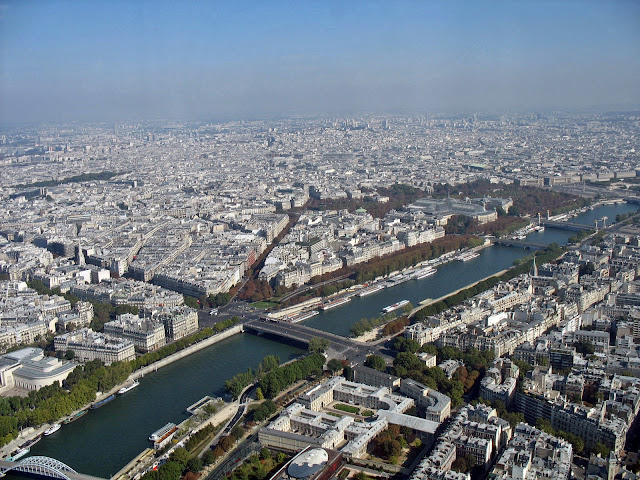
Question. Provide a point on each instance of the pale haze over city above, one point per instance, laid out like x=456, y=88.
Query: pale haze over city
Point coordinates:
x=320, y=240
x=119, y=60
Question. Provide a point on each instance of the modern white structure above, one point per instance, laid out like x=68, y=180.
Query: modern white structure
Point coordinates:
x=29, y=369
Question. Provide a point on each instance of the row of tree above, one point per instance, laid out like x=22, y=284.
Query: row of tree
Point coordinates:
x=161, y=353
x=279, y=379
x=367, y=324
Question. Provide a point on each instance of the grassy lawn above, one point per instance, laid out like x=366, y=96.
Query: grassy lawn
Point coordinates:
x=367, y=413
x=346, y=408
x=263, y=305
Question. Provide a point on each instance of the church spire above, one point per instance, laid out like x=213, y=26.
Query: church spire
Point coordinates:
x=534, y=267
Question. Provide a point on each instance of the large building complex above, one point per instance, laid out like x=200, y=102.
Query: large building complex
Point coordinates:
x=88, y=345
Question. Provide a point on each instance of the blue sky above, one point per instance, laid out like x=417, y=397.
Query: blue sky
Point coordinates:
x=120, y=60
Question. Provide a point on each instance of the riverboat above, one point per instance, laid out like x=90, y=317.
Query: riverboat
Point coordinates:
x=73, y=418
x=397, y=280
x=31, y=442
x=369, y=290
x=18, y=454
x=395, y=306
x=52, y=429
x=124, y=390
x=303, y=316
x=163, y=432
x=103, y=402
x=426, y=272
x=465, y=257
x=335, y=303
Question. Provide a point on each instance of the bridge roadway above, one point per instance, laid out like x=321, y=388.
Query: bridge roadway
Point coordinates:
x=567, y=225
x=302, y=333
x=49, y=468
x=519, y=243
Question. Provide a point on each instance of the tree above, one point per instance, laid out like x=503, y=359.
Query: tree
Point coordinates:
x=170, y=471
x=70, y=355
x=318, y=345
x=334, y=365
x=601, y=449
x=180, y=455
x=270, y=362
x=265, y=453
x=407, y=360
x=545, y=425
x=195, y=465
x=237, y=432
x=460, y=465
x=208, y=457
x=585, y=347
x=347, y=372
x=376, y=362
x=191, y=302
x=259, y=394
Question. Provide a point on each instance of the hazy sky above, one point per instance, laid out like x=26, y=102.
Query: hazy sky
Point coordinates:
x=135, y=59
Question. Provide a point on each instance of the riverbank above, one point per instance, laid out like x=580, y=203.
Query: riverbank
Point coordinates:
x=430, y=301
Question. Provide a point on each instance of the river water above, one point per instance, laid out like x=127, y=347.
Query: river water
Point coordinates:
x=104, y=440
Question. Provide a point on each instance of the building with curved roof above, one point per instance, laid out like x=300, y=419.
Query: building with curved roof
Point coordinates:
x=30, y=369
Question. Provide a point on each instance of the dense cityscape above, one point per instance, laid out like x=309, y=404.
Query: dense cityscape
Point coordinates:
x=177, y=237
x=246, y=240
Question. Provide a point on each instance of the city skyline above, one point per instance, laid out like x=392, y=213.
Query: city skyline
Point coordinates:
x=64, y=61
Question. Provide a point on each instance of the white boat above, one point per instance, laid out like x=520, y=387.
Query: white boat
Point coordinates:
x=128, y=387
x=427, y=272
x=369, y=290
x=303, y=316
x=395, y=306
x=465, y=257
x=52, y=429
x=162, y=432
x=335, y=303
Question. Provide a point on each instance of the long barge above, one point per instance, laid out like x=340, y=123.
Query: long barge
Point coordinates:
x=395, y=306
x=426, y=272
x=465, y=257
x=163, y=432
x=369, y=290
x=102, y=402
x=335, y=303
x=75, y=417
x=18, y=454
x=303, y=316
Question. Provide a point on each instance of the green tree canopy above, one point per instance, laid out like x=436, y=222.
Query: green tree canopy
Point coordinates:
x=376, y=362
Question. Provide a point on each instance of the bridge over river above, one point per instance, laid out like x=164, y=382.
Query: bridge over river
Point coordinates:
x=567, y=225
x=507, y=242
x=302, y=334
x=43, y=467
